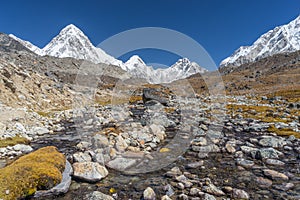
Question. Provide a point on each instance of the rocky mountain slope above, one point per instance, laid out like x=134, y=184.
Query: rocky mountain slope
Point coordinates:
x=277, y=74
x=282, y=39
x=46, y=82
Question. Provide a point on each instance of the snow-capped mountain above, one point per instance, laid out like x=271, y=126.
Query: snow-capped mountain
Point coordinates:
x=134, y=62
x=28, y=45
x=181, y=69
x=72, y=42
x=282, y=39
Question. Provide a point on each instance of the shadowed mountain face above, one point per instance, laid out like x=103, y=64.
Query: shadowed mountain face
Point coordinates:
x=7, y=44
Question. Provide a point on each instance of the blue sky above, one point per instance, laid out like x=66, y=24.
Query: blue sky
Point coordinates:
x=219, y=26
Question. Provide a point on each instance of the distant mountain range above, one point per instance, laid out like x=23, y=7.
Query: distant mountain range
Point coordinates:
x=72, y=42
x=282, y=39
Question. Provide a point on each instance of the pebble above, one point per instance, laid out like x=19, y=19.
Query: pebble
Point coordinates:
x=274, y=175
x=245, y=163
x=195, y=191
x=239, y=194
x=149, y=194
x=263, y=182
x=165, y=197
x=212, y=189
x=195, y=164
x=274, y=162
x=229, y=148
x=183, y=197
x=285, y=186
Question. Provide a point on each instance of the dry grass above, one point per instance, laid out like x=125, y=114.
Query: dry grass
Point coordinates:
x=170, y=109
x=13, y=141
x=134, y=99
x=262, y=113
x=283, y=131
x=292, y=95
x=109, y=130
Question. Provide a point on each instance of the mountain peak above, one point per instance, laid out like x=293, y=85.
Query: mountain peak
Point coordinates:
x=72, y=42
x=135, y=62
x=185, y=65
x=71, y=28
x=282, y=39
x=135, y=59
x=183, y=61
x=182, y=64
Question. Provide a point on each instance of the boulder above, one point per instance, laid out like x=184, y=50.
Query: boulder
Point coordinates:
x=266, y=153
x=40, y=131
x=82, y=157
x=270, y=141
x=121, y=163
x=89, y=171
x=153, y=94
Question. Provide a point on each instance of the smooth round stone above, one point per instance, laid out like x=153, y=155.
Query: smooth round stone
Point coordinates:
x=245, y=163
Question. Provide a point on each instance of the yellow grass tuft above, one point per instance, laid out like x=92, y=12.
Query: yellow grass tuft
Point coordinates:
x=38, y=170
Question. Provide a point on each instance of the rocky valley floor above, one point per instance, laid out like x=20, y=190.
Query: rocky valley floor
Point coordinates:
x=161, y=146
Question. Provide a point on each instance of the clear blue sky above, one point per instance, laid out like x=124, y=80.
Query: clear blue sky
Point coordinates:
x=219, y=26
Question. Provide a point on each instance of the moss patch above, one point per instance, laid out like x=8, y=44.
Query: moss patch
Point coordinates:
x=13, y=141
x=38, y=170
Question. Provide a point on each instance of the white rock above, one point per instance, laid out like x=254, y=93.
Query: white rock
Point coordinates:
x=23, y=148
